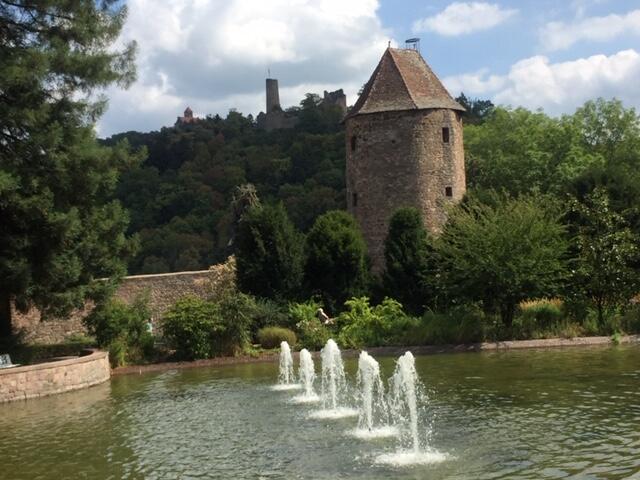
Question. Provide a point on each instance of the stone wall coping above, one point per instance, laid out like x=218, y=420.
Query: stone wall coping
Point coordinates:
x=170, y=274
x=95, y=355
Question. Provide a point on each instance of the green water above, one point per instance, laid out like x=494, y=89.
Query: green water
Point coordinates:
x=543, y=414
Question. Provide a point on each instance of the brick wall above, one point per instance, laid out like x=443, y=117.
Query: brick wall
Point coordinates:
x=32, y=381
x=163, y=290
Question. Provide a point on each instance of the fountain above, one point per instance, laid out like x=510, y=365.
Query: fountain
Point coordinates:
x=307, y=374
x=406, y=391
x=372, y=402
x=286, y=376
x=334, y=384
x=5, y=361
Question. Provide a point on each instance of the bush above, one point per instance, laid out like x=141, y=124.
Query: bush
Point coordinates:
x=365, y=326
x=197, y=328
x=313, y=334
x=543, y=313
x=235, y=315
x=188, y=327
x=122, y=329
x=269, y=314
x=462, y=324
x=272, y=337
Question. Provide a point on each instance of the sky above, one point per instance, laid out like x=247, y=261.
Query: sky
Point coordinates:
x=214, y=55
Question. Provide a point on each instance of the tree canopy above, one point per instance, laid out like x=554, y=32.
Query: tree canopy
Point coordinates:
x=61, y=228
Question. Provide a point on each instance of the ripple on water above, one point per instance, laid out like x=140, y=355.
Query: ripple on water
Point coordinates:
x=333, y=413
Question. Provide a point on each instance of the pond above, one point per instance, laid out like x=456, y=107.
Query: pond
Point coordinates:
x=534, y=414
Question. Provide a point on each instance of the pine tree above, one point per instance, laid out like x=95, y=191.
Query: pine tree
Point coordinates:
x=61, y=229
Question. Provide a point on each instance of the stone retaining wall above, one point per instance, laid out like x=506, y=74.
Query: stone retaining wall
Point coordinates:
x=163, y=290
x=32, y=381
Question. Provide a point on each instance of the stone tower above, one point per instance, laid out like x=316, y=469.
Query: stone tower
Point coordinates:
x=273, y=95
x=404, y=148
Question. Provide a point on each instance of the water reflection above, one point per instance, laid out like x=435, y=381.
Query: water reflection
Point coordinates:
x=571, y=413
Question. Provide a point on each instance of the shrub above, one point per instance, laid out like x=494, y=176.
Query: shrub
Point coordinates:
x=122, y=328
x=313, y=334
x=543, y=312
x=461, y=324
x=363, y=325
x=188, y=327
x=197, y=328
x=271, y=337
x=231, y=332
x=268, y=314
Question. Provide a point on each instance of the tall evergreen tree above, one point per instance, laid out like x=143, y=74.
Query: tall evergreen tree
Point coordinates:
x=336, y=265
x=406, y=254
x=269, y=253
x=60, y=228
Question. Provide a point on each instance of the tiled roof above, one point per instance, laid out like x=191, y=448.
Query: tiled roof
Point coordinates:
x=403, y=81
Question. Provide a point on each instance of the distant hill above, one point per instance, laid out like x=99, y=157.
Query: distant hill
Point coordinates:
x=179, y=199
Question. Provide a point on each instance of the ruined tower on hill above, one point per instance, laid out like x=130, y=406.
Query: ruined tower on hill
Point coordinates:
x=404, y=148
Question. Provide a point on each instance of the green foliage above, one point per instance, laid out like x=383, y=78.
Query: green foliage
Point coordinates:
x=122, y=328
x=184, y=200
x=336, y=266
x=406, y=253
x=312, y=333
x=543, y=313
x=504, y=253
x=362, y=325
x=60, y=227
x=460, y=324
x=197, y=328
x=269, y=253
x=188, y=327
x=272, y=337
x=477, y=111
x=606, y=271
x=235, y=316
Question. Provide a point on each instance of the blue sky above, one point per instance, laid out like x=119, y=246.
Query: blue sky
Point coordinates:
x=213, y=55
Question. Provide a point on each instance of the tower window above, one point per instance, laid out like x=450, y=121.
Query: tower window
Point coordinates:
x=445, y=134
x=354, y=140
x=448, y=191
x=354, y=199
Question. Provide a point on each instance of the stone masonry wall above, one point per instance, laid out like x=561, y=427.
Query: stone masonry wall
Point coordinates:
x=399, y=159
x=163, y=290
x=31, y=381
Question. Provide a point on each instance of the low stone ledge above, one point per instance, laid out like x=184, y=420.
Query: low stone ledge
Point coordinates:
x=49, y=378
x=386, y=351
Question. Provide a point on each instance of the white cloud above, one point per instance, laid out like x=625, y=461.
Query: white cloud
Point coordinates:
x=557, y=88
x=560, y=35
x=478, y=83
x=213, y=55
x=461, y=18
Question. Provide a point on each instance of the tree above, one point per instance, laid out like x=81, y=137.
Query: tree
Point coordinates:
x=477, y=111
x=502, y=253
x=336, y=265
x=60, y=228
x=406, y=253
x=606, y=272
x=269, y=253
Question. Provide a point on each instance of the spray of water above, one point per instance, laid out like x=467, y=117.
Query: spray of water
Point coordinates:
x=406, y=392
x=286, y=378
x=334, y=390
x=307, y=374
x=373, y=413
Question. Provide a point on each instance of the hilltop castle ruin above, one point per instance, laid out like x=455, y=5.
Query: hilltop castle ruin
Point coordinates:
x=403, y=148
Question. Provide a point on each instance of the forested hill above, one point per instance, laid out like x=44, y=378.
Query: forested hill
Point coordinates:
x=179, y=198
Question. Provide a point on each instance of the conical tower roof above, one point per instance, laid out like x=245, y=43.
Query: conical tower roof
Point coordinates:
x=403, y=81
